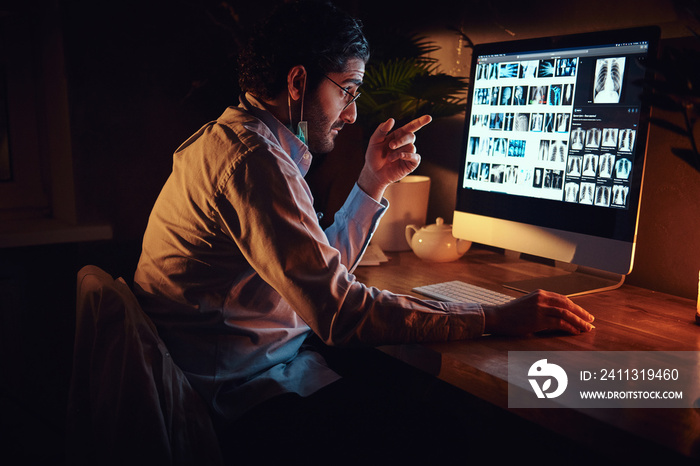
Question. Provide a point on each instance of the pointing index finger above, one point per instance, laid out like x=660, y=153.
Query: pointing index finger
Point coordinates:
x=417, y=124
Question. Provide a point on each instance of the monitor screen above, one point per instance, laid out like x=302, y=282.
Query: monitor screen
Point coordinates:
x=554, y=147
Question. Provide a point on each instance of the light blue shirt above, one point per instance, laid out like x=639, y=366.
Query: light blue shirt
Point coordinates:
x=236, y=272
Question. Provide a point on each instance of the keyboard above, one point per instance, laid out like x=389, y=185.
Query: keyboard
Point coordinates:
x=457, y=291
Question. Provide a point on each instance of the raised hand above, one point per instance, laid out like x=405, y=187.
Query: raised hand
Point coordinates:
x=390, y=155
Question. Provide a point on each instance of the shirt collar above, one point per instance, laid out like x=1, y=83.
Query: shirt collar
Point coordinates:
x=297, y=150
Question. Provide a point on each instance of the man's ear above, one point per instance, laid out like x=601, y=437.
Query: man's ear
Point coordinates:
x=296, y=82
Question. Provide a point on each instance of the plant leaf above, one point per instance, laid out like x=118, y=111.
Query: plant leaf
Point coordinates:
x=688, y=156
x=669, y=126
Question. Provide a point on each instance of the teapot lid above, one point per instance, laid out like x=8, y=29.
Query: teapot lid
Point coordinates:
x=439, y=225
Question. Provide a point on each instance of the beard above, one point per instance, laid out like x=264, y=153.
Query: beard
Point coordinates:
x=321, y=138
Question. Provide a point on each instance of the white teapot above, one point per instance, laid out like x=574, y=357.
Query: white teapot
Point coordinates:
x=435, y=242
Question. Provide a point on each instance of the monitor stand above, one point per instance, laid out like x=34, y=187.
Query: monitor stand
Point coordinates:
x=583, y=280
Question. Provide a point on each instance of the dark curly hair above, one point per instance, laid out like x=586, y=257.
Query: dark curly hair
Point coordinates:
x=311, y=33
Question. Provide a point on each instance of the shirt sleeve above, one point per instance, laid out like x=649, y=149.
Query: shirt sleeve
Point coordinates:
x=266, y=206
x=353, y=226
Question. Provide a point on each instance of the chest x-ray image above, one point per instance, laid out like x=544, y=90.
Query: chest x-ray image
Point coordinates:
x=623, y=167
x=590, y=165
x=609, y=137
x=626, y=140
x=573, y=166
x=620, y=195
x=557, y=151
x=605, y=165
x=593, y=138
x=578, y=136
x=571, y=192
x=609, y=73
x=586, y=193
x=602, y=196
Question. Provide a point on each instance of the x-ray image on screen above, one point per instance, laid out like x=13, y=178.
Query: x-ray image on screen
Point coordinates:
x=605, y=166
x=528, y=69
x=602, y=196
x=590, y=165
x=593, y=138
x=506, y=95
x=536, y=122
x=508, y=70
x=519, y=95
x=573, y=166
x=609, y=74
x=562, y=123
x=545, y=69
x=623, y=167
x=609, y=137
x=544, y=150
x=566, y=67
x=484, y=172
x=555, y=94
x=620, y=193
x=578, y=136
x=571, y=192
x=626, y=141
x=472, y=172
x=548, y=122
x=522, y=122
x=538, y=95
x=557, y=151
x=586, y=193
x=567, y=94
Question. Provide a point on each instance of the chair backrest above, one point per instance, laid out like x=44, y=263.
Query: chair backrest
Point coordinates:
x=128, y=401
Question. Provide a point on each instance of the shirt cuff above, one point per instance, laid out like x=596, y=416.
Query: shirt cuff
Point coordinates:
x=364, y=208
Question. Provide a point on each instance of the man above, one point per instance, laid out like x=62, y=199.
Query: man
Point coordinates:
x=236, y=271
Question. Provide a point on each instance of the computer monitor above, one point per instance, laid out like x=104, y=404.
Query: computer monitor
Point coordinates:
x=553, y=153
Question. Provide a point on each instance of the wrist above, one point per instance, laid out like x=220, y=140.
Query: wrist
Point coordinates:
x=371, y=185
x=490, y=318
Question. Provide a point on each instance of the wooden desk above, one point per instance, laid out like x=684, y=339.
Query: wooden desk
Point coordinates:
x=627, y=319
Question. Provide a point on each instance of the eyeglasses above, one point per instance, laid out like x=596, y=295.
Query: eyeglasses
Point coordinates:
x=353, y=97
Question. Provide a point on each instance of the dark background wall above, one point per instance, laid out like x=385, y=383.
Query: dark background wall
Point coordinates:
x=143, y=75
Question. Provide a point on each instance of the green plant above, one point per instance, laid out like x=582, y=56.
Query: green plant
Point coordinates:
x=409, y=84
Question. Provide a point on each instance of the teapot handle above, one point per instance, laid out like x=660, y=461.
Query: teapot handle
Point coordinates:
x=410, y=231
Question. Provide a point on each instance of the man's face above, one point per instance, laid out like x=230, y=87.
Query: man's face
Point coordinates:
x=327, y=110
